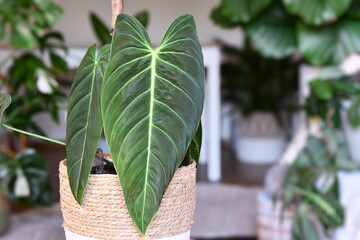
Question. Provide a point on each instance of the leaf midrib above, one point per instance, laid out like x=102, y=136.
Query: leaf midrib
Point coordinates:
x=152, y=100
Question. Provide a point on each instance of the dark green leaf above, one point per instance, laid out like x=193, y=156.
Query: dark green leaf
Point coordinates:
x=354, y=11
x=273, y=33
x=58, y=63
x=219, y=19
x=21, y=36
x=193, y=152
x=84, y=123
x=243, y=11
x=143, y=17
x=322, y=89
x=329, y=210
x=317, y=12
x=102, y=32
x=331, y=44
x=5, y=100
x=151, y=105
x=353, y=113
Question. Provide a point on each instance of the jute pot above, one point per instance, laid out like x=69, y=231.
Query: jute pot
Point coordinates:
x=103, y=213
x=4, y=214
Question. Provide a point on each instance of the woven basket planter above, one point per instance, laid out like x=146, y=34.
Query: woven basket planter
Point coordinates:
x=4, y=214
x=103, y=213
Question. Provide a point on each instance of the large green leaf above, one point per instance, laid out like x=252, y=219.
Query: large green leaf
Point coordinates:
x=243, y=11
x=151, y=104
x=273, y=33
x=5, y=100
x=219, y=19
x=331, y=44
x=317, y=12
x=84, y=123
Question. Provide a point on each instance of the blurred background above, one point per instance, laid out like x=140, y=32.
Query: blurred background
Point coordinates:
x=280, y=153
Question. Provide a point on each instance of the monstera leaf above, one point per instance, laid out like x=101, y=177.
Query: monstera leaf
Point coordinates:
x=317, y=12
x=331, y=44
x=151, y=106
x=243, y=11
x=84, y=123
x=273, y=33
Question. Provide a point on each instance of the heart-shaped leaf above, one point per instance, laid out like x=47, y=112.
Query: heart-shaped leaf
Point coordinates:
x=151, y=104
x=331, y=44
x=317, y=12
x=243, y=11
x=5, y=101
x=84, y=123
x=273, y=33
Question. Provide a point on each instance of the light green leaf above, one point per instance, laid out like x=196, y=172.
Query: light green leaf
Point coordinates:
x=273, y=33
x=331, y=44
x=243, y=11
x=317, y=12
x=84, y=123
x=5, y=100
x=151, y=105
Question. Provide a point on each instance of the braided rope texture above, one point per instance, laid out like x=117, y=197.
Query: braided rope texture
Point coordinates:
x=103, y=213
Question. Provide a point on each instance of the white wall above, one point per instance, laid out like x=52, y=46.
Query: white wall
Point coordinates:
x=75, y=23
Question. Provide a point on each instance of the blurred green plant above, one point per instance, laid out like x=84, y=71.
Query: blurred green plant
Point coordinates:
x=24, y=179
x=310, y=185
x=102, y=32
x=327, y=98
x=325, y=35
x=253, y=83
x=25, y=25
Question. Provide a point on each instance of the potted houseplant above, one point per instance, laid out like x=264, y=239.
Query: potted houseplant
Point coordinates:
x=263, y=92
x=149, y=103
x=309, y=192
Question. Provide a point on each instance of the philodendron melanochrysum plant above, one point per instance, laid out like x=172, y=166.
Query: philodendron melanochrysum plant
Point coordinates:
x=149, y=102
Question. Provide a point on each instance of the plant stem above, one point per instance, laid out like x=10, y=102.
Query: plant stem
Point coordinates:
x=34, y=135
x=117, y=8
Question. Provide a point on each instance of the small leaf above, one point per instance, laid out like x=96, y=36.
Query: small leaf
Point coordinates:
x=84, y=122
x=5, y=100
x=317, y=12
x=193, y=152
x=219, y=19
x=143, y=17
x=58, y=62
x=102, y=32
x=322, y=89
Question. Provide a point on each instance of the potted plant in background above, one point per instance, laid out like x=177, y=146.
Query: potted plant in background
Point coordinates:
x=277, y=29
x=308, y=198
x=150, y=103
x=263, y=91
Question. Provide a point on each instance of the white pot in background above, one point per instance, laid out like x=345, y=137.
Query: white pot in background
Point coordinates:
x=352, y=134
x=259, y=139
